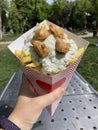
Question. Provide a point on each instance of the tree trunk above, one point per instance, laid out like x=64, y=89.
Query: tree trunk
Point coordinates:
x=0, y=28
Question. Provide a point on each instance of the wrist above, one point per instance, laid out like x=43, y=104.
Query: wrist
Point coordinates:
x=6, y=124
x=19, y=121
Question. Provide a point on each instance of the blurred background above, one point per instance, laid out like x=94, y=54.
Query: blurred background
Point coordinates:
x=17, y=16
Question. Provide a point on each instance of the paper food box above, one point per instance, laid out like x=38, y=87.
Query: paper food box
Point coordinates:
x=48, y=55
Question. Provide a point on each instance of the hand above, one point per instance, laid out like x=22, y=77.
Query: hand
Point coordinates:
x=29, y=107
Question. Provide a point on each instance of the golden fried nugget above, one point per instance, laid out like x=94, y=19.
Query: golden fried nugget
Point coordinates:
x=61, y=46
x=40, y=48
x=57, y=31
x=78, y=54
x=41, y=33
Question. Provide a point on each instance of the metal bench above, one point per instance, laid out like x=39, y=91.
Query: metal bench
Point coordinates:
x=78, y=109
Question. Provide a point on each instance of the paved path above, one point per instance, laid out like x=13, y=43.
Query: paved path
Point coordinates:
x=5, y=43
x=87, y=35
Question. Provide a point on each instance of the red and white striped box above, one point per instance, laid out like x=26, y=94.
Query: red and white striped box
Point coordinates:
x=42, y=83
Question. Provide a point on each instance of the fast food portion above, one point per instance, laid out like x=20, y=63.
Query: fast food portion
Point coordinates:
x=61, y=46
x=49, y=56
x=40, y=48
x=49, y=49
x=57, y=31
x=41, y=33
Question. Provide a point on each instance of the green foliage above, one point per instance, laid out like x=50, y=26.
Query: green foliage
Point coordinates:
x=24, y=14
x=94, y=11
x=15, y=18
x=42, y=13
x=3, y=5
x=60, y=11
x=3, y=11
x=79, y=12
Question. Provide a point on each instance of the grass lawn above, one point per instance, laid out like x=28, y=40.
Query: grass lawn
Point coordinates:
x=8, y=65
x=88, y=66
x=9, y=37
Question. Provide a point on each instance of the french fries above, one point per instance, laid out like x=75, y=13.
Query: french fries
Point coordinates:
x=31, y=65
x=19, y=54
x=25, y=57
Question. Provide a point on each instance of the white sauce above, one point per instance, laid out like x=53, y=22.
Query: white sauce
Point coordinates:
x=54, y=62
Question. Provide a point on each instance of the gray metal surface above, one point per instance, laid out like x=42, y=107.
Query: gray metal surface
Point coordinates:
x=78, y=109
x=9, y=95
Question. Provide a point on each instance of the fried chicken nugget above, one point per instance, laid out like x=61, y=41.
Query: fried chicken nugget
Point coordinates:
x=57, y=31
x=61, y=46
x=40, y=48
x=41, y=33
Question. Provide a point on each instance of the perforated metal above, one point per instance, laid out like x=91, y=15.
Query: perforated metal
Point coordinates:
x=73, y=113
x=78, y=109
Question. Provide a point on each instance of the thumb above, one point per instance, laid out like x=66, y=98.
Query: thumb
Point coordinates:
x=49, y=98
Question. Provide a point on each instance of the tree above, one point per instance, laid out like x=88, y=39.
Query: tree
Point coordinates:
x=16, y=22
x=60, y=12
x=0, y=28
x=3, y=8
x=42, y=11
x=78, y=17
x=65, y=15
x=94, y=16
x=24, y=14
